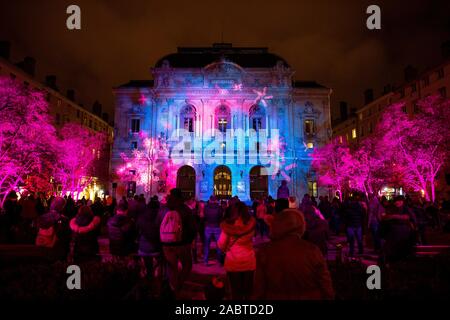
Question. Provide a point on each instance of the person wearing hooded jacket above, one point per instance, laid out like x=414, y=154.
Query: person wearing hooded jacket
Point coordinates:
x=85, y=230
x=288, y=267
x=236, y=241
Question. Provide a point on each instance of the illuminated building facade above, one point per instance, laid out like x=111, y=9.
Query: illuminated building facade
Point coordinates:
x=234, y=121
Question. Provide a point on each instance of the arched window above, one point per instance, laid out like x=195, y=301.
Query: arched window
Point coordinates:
x=257, y=116
x=187, y=117
x=223, y=118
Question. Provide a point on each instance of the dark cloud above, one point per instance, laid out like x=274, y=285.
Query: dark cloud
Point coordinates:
x=323, y=40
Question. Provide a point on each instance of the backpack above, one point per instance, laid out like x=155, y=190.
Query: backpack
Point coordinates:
x=171, y=228
x=46, y=237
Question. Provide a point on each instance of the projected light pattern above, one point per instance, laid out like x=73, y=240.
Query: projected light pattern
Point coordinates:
x=218, y=121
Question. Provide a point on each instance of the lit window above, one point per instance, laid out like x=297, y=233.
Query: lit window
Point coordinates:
x=310, y=145
x=223, y=124
x=309, y=127
x=354, y=133
x=135, y=125
x=341, y=139
x=312, y=188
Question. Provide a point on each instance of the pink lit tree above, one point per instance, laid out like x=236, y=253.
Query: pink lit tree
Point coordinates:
x=417, y=145
x=334, y=165
x=370, y=168
x=27, y=136
x=78, y=151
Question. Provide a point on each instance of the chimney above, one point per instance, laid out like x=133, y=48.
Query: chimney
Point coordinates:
x=410, y=73
x=5, y=49
x=50, y=81
x=105, y=116
x=387, y=88
x=368, y=96
x=343, y=110
x=97, y=108
x=71, y=94
x=28, y=65
x=445, y=49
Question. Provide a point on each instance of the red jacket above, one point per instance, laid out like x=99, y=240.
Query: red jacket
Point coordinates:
x=236, y=241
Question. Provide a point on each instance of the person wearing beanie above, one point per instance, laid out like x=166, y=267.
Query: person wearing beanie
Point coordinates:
x=288, y=267
x=121, y=233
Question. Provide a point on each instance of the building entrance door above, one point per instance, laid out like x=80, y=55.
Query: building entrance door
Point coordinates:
x=222, y=182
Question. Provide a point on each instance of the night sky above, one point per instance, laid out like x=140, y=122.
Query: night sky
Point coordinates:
x=323, y=41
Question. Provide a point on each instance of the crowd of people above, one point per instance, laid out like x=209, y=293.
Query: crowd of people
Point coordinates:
x=166, y=233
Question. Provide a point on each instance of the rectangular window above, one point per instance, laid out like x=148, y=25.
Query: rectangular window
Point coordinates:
x=135, y=125
x=440, y=73
x=370, y=127
x=257, y=124
x=354, y=133
x=413, y=88
x=58, y=119
x=443, y=92
x=134, y=145
x=404, y=109
x=309, y=127
x=341, y=139
x=426, y=81
x=312, y=188
x=189, y=124
x=78, y=114
x=223, y=125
